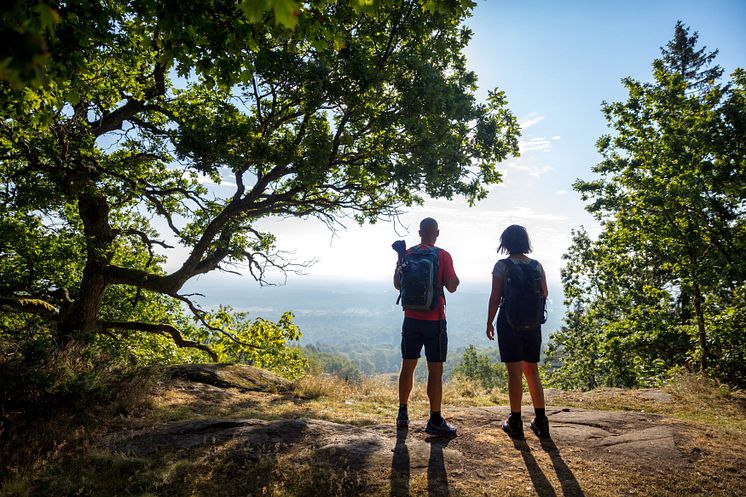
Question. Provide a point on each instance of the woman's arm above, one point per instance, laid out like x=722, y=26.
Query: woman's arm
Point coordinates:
x=495, y=297
x=544, y=288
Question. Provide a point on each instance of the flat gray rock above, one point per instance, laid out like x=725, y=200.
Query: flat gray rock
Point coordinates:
x=642, y=440
x=323, y=441
x=238, y=376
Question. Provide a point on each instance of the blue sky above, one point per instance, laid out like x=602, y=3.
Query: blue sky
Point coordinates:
x=557, y=61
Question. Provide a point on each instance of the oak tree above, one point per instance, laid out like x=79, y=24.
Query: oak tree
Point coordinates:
x=320, y=109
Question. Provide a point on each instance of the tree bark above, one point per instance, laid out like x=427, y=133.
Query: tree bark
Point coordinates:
x=700, y=326
x=685, y=300
x=79, y=321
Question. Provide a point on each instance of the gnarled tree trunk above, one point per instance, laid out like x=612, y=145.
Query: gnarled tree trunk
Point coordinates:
x=79, y=321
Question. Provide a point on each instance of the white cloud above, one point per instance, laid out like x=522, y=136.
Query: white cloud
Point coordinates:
x=538, y=143
x=522, y=213
x=533, y=170
x=206, y=180
x=556, y=137
x=561, y=192
x=530, y=120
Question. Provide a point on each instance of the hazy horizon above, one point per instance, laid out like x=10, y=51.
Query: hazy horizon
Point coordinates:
x=358, y=319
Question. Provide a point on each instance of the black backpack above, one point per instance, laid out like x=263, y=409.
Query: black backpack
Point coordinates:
x=420, y=289
x=523, y=302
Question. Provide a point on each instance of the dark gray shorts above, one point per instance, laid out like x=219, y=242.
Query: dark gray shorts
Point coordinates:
x=517, y=346
x=418, y=332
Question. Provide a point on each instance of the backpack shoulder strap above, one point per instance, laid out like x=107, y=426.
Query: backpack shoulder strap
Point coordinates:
x=424, y=248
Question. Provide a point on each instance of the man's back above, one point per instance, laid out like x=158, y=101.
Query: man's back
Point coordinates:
x=446, y=278
x=426, y=328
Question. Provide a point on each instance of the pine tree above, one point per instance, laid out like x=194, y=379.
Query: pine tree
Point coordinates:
x=680, y=56
x=671, y=199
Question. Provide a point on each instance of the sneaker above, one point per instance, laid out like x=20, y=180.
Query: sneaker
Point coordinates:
x=402, y=419
x=513, y=428
x=540, y=426
x=442, y=429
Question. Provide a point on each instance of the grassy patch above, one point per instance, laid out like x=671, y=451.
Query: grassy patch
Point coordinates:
x=686, y=397
x=93, y=474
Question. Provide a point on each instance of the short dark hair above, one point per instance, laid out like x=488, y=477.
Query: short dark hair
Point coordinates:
x=428, y=224
x=514, y=240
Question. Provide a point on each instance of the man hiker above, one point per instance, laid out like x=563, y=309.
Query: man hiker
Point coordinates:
x=423, y=301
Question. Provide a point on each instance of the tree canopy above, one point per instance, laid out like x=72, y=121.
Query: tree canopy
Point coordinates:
x=662, y=287
x=110, y=148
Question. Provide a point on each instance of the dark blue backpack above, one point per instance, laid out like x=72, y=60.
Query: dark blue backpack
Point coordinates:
x=523, y=302
x=420, y=289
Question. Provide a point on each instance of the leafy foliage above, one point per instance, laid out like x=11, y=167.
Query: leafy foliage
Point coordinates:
x=329, y=362
x=134, y=127
x=645, y=297
x=24, y=28
x=486, y=370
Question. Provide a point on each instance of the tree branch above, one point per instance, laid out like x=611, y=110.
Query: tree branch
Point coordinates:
x=257, y=100
x=159, y=329
x=144, y=237
x=200, y=315
x=338, y=137
x=31, y=306
x=113, y=120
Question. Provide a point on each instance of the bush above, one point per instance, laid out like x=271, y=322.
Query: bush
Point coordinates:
x=487, y=372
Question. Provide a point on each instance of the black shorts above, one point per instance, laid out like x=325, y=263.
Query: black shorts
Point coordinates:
x=418, y=332
x=517, y=346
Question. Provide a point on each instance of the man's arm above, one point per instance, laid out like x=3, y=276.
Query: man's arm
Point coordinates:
x=450, y=280
x=451, y=283
x=397, y=277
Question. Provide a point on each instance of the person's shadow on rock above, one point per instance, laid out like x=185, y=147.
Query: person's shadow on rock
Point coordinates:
x=570, y=484
x=437, y=478
x=538, y=478
x=400, y=465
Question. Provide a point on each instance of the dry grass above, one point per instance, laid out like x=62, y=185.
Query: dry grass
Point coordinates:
x=66, y=416
x=686, y=397
x=384, y=389
x=226, y=469
x=374, y=400
x=705, y=400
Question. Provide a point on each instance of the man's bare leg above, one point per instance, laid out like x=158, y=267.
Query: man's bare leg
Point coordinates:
x=406, y=379
x=435, y=385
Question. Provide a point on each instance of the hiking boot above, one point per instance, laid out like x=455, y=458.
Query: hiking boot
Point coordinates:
x=514, y=428
x=540, y=426
x=441, y=429
x=402, y=419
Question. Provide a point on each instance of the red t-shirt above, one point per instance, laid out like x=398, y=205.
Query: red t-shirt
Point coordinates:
x=445, y=270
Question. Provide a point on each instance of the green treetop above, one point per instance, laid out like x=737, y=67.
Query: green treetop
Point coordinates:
x=358, y=109
x=671, y=197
